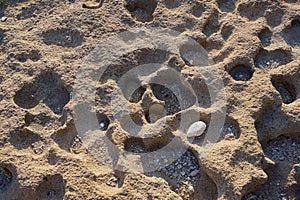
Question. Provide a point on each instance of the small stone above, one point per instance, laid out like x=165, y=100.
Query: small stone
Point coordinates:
x=196, y=129
x=104, y=125
x=191, y=188
x=3, y=19
x=194, y=173
x=281, y=158
x=112, y=181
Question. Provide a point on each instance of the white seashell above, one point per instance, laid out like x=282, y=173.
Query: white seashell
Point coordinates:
x=3, y=19
x=196, y=129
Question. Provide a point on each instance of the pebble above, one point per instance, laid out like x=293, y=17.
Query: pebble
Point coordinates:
x=182, y=169
x=194, y=173
x=3, y=19
x=191, y=188
x=196, y=129
x=103, y=125
x=112, y=181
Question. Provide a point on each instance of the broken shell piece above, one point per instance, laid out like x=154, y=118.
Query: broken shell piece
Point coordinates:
x=196, y=129
x=112, y=181
x=3, y=19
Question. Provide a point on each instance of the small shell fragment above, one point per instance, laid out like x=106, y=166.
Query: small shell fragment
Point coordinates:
x=196, y=129
x=3, y=19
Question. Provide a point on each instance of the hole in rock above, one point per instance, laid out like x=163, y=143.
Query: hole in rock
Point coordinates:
x=212, y=25
x=291, y=33
x=5, y=178
x=253, y=9
x=272, y=59
x=274, y=16
x=285, y=152
x=185, y=168
x=170, y=4
x=155, y=112
x=241, y=72
x=265, y=36
x=226, y=5
x=162, y=93
x=52, y=187
x=103, y=121
x=144, y=145
x=142, y=10
x=130, y=61
x=137, y=94
x=62, y=37
x=283, y=148
x=198, y=9
x=22, y=139
x=64, y=137
x=227, y=31
x=48, y=88
x=230, y=130
x=33, y=55
x=286, y=89
x=25, y=98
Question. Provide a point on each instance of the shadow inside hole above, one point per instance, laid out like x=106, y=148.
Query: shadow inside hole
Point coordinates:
x=241, y=72
x=33, y=55
x=253, y=9
x=212, y=25
x=62, y=37
x=176, y=63
x=291, y=33
x=227, y=31
x=291, y=1
x=2, y=35
x=142, y=10
x=145, y=145
x=283, y=148
x=271, y=59
x=52, y=85
x=205, y=188
x=230, y=129
x=274, y=16
x=64, y=137
x=120, y=175
x=52, y=187
x=41, y=119
x=154, y=113
x=265, y=36
x=25, y=98
x=170, y=4
x=24, y=138
x=131, y=61
x=162, y=93
x=226, y=5
x=286, y=89
x=5, y=178
x=103, y=121
x=284, y=151
x=48, y=88
x=183, y=172
x=198, y=9
x=137, y=94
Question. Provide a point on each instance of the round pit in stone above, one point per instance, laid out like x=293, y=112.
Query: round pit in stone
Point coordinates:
x=241, y=72
x=103, y=121
x=185, y=170
x=285, y=88
x=5, y=179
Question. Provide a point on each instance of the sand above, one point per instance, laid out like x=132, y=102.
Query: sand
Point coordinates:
x=255, y=49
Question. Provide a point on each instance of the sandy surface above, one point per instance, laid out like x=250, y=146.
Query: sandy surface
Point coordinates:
x=255, y=46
